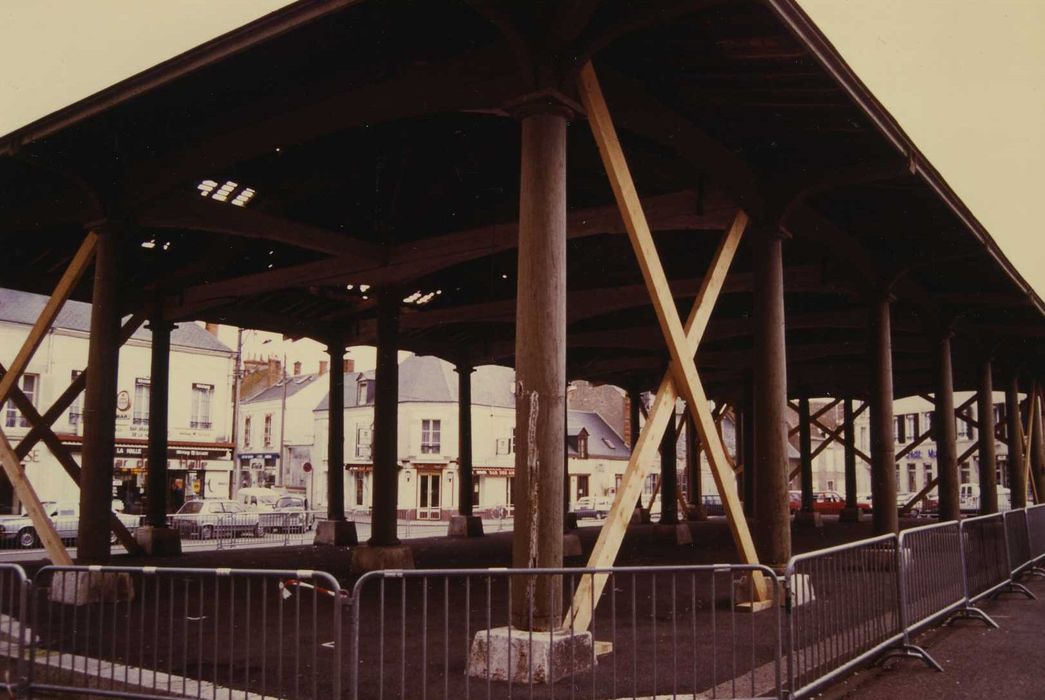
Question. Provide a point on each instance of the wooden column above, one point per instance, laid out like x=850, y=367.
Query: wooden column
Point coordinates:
x=99, y=408
x=805, y=449
x=540, y=367
x=988, y=459
x=1014, y=433
x=695, y=490
x=849, y=419
x=769, y=381
x=883, y=456
x=465, y=487
x=159, y=400
x=384, y=515
x=336, y=433
x=669, y=511
x=946, y=433
x=1038, y=448
x=745, y=428
x=634, y=397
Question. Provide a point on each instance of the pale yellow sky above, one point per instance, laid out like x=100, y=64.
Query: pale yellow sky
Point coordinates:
x=965, y=78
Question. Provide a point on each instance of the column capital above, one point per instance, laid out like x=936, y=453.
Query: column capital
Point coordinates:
x=544, y=101
x=155, y=324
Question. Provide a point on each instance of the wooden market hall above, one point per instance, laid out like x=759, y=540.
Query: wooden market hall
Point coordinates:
x=694, y=198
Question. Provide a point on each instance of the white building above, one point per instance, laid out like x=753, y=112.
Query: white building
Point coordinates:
x=428, y=442
x=275, y=438
x=200, y=420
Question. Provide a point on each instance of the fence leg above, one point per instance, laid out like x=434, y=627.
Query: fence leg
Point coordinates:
x=1014, y=587
x=906, y=649
x=970, y=612
x=909, y=651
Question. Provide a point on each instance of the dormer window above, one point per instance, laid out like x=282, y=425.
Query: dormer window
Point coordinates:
x=582, y=444
x=361, y=393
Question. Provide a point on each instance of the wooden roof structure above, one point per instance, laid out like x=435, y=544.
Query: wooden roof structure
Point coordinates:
x=373, y=147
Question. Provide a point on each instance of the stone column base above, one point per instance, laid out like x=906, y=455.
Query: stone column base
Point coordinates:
x=679, y=533
x=465, y=526
x=697, y=512
x=367, y=557
x=850, y=515
x=805, y=518
x=571, y=546
x=83, y=587
x=504, y=654
x=569, y=522
x=158, y=541
x=340, y=533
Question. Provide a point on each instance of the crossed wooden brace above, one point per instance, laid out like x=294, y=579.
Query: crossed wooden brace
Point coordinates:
x=681, y=377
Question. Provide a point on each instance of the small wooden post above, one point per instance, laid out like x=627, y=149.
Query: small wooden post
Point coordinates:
x=988, y=459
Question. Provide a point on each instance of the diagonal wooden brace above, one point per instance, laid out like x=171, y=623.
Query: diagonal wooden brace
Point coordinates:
x=63, y=402
x=65, y=458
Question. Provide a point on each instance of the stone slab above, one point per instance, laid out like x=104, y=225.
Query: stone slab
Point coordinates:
x=158, y=541
x=851, y=515
x=83, y=587
x=339, y=533
x=465, y=526
x=513, y=655
x=367, y=557
x=805, y=518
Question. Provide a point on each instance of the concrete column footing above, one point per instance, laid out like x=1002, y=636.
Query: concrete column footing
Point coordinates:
x=571, y=546
x=513, y=655
x=851, y=515
x=465, y=526
x=158, y=541
x=805, y=518
x=339, y=533
x=368, y=557
x=679, y=533
x=697, y=513
x=84, y=587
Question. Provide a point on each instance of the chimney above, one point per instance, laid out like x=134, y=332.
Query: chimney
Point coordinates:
x=323, y=365
x=350, y=365
x=275, y=371
x=297, y=368
x=212, y=328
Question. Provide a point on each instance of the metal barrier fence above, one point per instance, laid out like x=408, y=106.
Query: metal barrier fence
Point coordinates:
x=843, y=610
x=658, y=631
x=220, y=633
x=148, y=632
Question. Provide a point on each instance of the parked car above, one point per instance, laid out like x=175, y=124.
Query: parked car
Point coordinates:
x=215, y=517
x=288, y=514
x=712, y=504
x=258, y=498
x=19, y=530
x=591, y=507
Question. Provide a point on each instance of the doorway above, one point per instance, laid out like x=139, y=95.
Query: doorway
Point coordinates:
x=428, y=496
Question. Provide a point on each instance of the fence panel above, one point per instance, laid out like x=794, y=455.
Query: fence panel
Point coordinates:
x=986, y=555
x=14, y=627
x=931, y=573
x=658, y=631
x=1036, y=528
x=211, y=633
x=1018, y=539
x=843, y=609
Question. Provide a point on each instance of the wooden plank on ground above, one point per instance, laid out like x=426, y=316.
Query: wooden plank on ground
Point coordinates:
x=38, y=332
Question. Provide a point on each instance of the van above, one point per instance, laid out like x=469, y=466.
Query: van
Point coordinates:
x=258, y=498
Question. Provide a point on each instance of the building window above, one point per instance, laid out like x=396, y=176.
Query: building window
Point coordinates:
x=141, y=402
x=901, y=434
x=582, y=486
x=30, y=387
x=582, y=445
x=360, y=487
x=76, y=407
x=430, y=438
x=966, y=473
x=246, y=431
x=912, y=425
x=202, y=397
x=928, y=475
x=912, y=477
x=929, y=423
x=364, y=436
x=268, y=430
x=964, y=429
x=361, y=394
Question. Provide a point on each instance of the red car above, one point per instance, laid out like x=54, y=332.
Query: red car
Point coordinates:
x=826, y=502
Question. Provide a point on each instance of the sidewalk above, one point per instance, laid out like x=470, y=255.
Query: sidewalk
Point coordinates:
x=978, y=662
